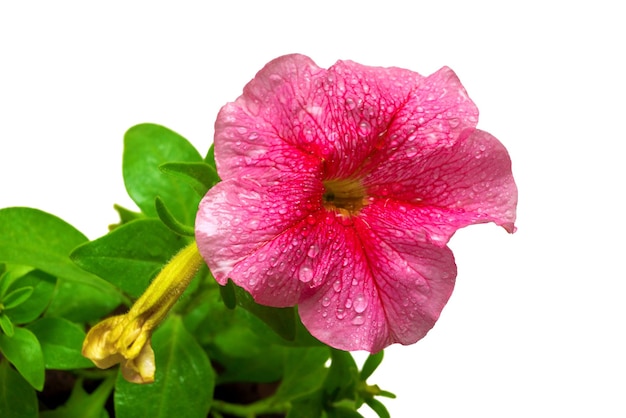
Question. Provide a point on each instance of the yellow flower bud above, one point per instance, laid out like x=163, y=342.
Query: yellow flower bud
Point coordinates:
x=125, y=339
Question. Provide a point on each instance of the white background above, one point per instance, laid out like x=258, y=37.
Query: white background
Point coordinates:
x=535, y=327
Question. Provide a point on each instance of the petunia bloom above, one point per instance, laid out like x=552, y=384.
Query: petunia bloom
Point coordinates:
x=341, y=189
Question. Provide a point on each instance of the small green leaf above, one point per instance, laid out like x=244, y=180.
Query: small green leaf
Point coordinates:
x=34, y=238
x=371, y=364
x=24, y=352
x=82, y=404
x=43, y=286
x=130, y=255
x=305, y=372
x=126, y=216
x=343, y=376
x=17, y=297
x=199, y=175
x=281, y=320
x=6, y=325
x=9, y=276
x=184, y=379
x=17, y=397
x=377, y=407
x=61, y=343
x=342, y=412
x=170, y=221
x=146, y=147
x=228, y=295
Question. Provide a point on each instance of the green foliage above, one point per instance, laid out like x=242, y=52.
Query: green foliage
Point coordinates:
x=130, y=255
x=17, y=397
x=146, y=148
x=82, y=404
x=184, y=380
x=211, y=352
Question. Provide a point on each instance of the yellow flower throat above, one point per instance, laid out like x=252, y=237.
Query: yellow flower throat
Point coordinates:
x=346, y=196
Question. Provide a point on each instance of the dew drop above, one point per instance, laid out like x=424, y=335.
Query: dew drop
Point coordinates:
x=360, y=303
x=350, y=104
x=337, y=286
x=348, y=303
x=340, y=313
x=364, y=128
x=314, y=250
x=305, y=274
x=358, y=320
x=325, y=301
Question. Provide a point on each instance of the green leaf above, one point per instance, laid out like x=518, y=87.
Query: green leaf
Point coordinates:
x=82, y=404
x=281, y=320
x=77, y=303
x=17, y=297
x=126, y=215
x=6, y=325
x=310, y=406
x=170, y=221
x=10, y=275
x=17, y=397
x=199, y=175
x=24, y=352
x=61, y=343
x=210, y=157
x=34, y=238
x=130, y=255
x=342, y=412
x=371, y=364
x=184, y=380
x=240, y=342
x=228, y=294
x=377, y=407
x=43, y=286
x=305, y=372
x=146, y=147
x=343, y=376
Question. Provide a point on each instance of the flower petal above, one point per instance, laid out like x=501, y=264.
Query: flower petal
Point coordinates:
x=380, y=293
x=238, y=217
x=271, y=116
x=469, y=182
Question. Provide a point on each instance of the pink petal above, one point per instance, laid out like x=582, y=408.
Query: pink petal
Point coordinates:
x=384, y=290
x=452, y=187
x=238, y=216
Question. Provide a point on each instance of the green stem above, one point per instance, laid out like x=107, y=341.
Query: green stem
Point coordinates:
x=264, y=406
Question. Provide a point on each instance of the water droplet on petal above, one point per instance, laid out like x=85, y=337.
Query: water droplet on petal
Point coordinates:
x=305, y=274
x=348, y=303
x=325, y=301
x=360, y=303
x=337, y=285
x=314, y=250
x=350, y=103
x=358, y=320
x=364, y=128
x=340, y=313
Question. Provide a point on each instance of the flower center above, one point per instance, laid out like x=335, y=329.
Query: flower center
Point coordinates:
x=346, y=196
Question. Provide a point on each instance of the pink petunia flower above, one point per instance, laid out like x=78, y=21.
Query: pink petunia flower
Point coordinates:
x=341, y=188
